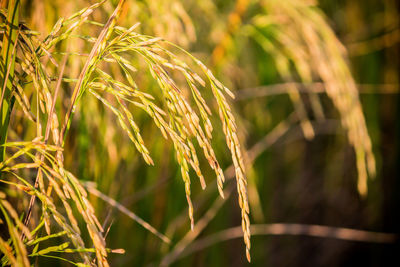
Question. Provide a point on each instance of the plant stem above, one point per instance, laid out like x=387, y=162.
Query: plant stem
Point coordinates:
x=46, y=137
x=89, y=65
x=7, y=70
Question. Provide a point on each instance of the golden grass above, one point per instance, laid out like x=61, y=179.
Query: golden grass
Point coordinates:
x=299, y=34
x=104, y=62
x=177, y=118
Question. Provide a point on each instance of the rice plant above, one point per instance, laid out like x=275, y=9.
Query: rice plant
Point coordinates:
x=180, y=113
x=92, y=99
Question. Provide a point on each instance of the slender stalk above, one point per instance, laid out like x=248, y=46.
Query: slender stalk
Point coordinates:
x=104, y=34
x=46, y=137
x=291, y=229
x=7, y=70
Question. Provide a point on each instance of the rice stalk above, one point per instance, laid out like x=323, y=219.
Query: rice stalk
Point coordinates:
x=181, y=114
x=9, y=44
x=299, y=33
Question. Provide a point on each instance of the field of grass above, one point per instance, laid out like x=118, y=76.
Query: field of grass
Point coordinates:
x=199, y=133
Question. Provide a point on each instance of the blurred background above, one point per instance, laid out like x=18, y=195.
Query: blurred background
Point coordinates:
x=290, y=64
